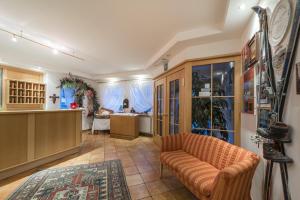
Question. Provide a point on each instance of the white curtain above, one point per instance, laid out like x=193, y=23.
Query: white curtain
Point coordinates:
x=112, y=96
x=141, y=95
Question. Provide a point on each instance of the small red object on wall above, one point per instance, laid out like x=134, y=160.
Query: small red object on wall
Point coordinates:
x=74, y=105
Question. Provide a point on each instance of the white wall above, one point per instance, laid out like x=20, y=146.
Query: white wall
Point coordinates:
x=292, y=113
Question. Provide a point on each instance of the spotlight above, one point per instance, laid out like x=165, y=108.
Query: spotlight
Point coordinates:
x=242, y=7
x=14, y=38
x=54, y=51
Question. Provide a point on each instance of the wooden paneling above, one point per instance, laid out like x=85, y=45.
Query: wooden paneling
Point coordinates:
x=32, y=138
x=123, y=126
x=54, y=132
x=13, y=139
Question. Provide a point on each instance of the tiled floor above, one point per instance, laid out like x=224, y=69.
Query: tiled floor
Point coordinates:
x=140, y=159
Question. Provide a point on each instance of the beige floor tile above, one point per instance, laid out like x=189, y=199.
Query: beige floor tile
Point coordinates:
x=144, y=168
x=150, y=176
x=164, y=196
x=157, y=187
x=139, y=192
x=131, y=170
x=134, y=180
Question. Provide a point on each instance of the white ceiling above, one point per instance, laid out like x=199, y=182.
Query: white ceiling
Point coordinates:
x=112, y=36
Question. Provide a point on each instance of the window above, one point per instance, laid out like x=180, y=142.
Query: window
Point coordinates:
x=67, y=96
x=213, y=100
x=141, y=95
x=112, y=96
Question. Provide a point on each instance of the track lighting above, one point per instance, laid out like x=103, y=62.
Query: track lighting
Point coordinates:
x=14, y=38
x=54, y=51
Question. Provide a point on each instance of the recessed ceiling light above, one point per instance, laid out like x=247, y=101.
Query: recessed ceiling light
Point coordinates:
x=54, y=51
x=14, y=38
x=242, y=7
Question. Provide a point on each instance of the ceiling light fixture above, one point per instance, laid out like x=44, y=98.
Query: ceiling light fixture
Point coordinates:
x=14, y=38
x=242, y=6
x=55, y=51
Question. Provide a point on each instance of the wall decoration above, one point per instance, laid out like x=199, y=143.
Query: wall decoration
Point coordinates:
x=279, y=22
x=253, y=49
x=248, y=90
x=245, y=57
x=298, y=78
x=53, y=98
x=250, y=52
x=81, y=89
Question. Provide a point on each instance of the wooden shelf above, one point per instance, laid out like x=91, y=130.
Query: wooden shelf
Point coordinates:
x=25, y=93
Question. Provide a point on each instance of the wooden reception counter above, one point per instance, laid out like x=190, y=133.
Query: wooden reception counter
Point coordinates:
x=31, y=138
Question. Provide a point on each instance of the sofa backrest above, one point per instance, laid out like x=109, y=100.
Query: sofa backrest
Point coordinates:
x=214, y=151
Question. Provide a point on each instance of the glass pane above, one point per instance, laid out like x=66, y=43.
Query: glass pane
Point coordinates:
x=223, y=79
x=159, y=127
x=201, y=131
x=224, y=135
x=172, y=111
x=176, y=129
x=201, y=80
x=171, y=129
x=223, y=113
x=176, y=89
x=201, y=113
x=176, y=114
x=172, y=89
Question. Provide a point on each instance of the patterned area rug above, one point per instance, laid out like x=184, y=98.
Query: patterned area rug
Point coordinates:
x=104, y=180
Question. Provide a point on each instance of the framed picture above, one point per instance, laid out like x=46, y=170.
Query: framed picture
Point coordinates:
x=248, y=90
x=298, y=78
x=254, y=49
x=246, y=57
x=263, y=118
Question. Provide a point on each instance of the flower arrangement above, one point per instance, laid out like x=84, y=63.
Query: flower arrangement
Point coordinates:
x=81, y=89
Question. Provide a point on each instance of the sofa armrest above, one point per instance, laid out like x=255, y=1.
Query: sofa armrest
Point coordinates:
x=172, y=142
x=234, y=182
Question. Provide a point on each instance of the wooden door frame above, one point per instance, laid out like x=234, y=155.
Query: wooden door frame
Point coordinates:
x=181, y=76
x=157, y=138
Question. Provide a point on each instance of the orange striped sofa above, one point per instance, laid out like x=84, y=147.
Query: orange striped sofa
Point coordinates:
x=211, y=168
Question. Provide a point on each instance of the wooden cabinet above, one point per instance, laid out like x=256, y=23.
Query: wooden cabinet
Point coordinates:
x=200, y=97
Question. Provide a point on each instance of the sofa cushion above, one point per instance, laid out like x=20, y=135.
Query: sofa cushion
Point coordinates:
x=216, y=152
x=200, y=176
x=175, y=159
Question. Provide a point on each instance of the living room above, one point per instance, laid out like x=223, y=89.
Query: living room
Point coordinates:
x=149, y=100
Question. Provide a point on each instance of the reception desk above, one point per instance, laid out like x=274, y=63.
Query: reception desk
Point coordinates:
x=32, y=138
x=124, y=125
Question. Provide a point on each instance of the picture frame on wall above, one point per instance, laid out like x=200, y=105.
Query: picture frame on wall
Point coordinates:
x=298, y=78
x=263, y=118
x=253, y=49
x=248, y=90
